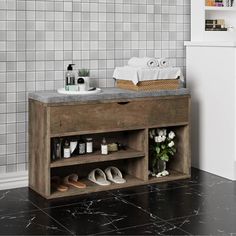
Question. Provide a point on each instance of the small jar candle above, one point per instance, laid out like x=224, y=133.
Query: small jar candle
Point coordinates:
x=89, y=145
x=81, y=84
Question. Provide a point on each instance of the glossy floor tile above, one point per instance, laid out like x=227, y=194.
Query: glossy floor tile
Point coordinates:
x=202, y=205
x=31, y=223
x=12, y=202
x=100, y=216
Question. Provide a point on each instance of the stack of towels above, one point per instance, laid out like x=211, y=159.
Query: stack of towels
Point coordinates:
x=146, y=68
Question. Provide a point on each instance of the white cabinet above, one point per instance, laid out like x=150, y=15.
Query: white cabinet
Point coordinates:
x=211, y=77
x=200, y=13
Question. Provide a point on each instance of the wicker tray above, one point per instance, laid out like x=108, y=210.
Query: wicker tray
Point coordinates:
x=149, y=85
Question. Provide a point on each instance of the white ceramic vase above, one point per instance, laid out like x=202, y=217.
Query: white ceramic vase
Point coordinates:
x=86, y=81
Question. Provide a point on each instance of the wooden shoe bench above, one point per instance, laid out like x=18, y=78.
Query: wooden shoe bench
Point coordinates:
x=127, y=120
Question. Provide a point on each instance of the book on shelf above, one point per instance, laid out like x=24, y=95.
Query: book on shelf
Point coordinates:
x=215, y=25
x=219, y=3
x=216, y=22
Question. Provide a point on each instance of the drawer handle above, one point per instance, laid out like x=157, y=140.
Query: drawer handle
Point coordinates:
x=123, y=103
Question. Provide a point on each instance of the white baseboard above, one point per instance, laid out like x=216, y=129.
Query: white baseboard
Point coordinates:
x=14, y=180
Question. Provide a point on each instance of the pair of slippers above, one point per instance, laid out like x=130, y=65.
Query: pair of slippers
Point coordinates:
x=70, y=180
x=112, y=174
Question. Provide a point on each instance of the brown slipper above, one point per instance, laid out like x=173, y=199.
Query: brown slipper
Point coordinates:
x=72, y=180
x=56, y=184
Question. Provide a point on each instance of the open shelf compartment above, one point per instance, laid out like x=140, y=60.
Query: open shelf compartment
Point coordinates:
x=129, y=168
x=178, y=165
x=132, y=141
x=92, y=187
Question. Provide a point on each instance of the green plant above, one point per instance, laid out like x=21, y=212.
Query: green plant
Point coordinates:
x=84, y=72
x=162, y=145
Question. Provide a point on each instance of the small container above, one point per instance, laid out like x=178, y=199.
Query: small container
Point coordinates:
x=66, y=149
x=112, y=147
x=81, y=84
x=82, y=146
x=89, y=145
x=104, y=147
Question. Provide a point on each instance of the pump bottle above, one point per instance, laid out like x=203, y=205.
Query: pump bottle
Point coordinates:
x=70, y=79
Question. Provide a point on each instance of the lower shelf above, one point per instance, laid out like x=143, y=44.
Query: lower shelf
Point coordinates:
x=92, y=187
x=130, y=182
x=174, y=175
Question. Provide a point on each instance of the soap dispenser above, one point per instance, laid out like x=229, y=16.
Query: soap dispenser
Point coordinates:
x=70, y=79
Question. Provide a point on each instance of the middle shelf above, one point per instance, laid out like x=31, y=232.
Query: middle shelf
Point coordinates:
x=98, y=157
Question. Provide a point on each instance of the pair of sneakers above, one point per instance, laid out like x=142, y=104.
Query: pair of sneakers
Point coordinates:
x=111, y=174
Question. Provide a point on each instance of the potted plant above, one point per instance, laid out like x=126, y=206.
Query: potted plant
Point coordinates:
x=162, y=148
x=85, y=73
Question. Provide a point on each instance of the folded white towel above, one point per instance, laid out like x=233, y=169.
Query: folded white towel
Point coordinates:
x=144, y=62
x=162, y=62
x=148, y=62
x=137, y=74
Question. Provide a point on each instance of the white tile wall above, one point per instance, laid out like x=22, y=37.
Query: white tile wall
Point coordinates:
x=38, y=38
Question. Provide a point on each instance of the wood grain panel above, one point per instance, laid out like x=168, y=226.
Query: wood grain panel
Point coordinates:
x=39, y=146
x=110, y=116
x=181, y=161
x=98, y=157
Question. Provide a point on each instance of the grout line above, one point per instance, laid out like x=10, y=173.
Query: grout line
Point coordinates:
x=53, y=219
x=152, y=215
x=125, y=228
x=136, y=226
x=75, y=203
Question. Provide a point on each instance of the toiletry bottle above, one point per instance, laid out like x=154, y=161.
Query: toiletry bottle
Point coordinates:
x=70, y=78
x=89, y=145
x=104, y=147
x=82, y=146
x=59, y=148
x=54, y=150
x=66, y=149
x=81, y=84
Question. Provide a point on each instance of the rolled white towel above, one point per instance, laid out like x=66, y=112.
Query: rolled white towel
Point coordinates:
x=162, y=62
x=144, y=62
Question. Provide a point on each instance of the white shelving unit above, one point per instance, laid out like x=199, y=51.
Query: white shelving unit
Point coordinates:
x=211, y=78
x=200, y=13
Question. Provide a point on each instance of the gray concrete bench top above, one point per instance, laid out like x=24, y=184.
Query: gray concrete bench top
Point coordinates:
x=106, y=94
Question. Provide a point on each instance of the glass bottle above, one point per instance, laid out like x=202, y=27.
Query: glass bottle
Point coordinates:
x=104, y=147
x=89, y=145
x=66, y=149
x=82, y=146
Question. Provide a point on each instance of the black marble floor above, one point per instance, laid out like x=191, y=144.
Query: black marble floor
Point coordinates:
x=202, y=205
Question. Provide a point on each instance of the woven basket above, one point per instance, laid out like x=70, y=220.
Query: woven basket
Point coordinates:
x=149, y=85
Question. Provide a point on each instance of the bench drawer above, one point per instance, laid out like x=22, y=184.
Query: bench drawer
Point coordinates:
x=118, y=115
